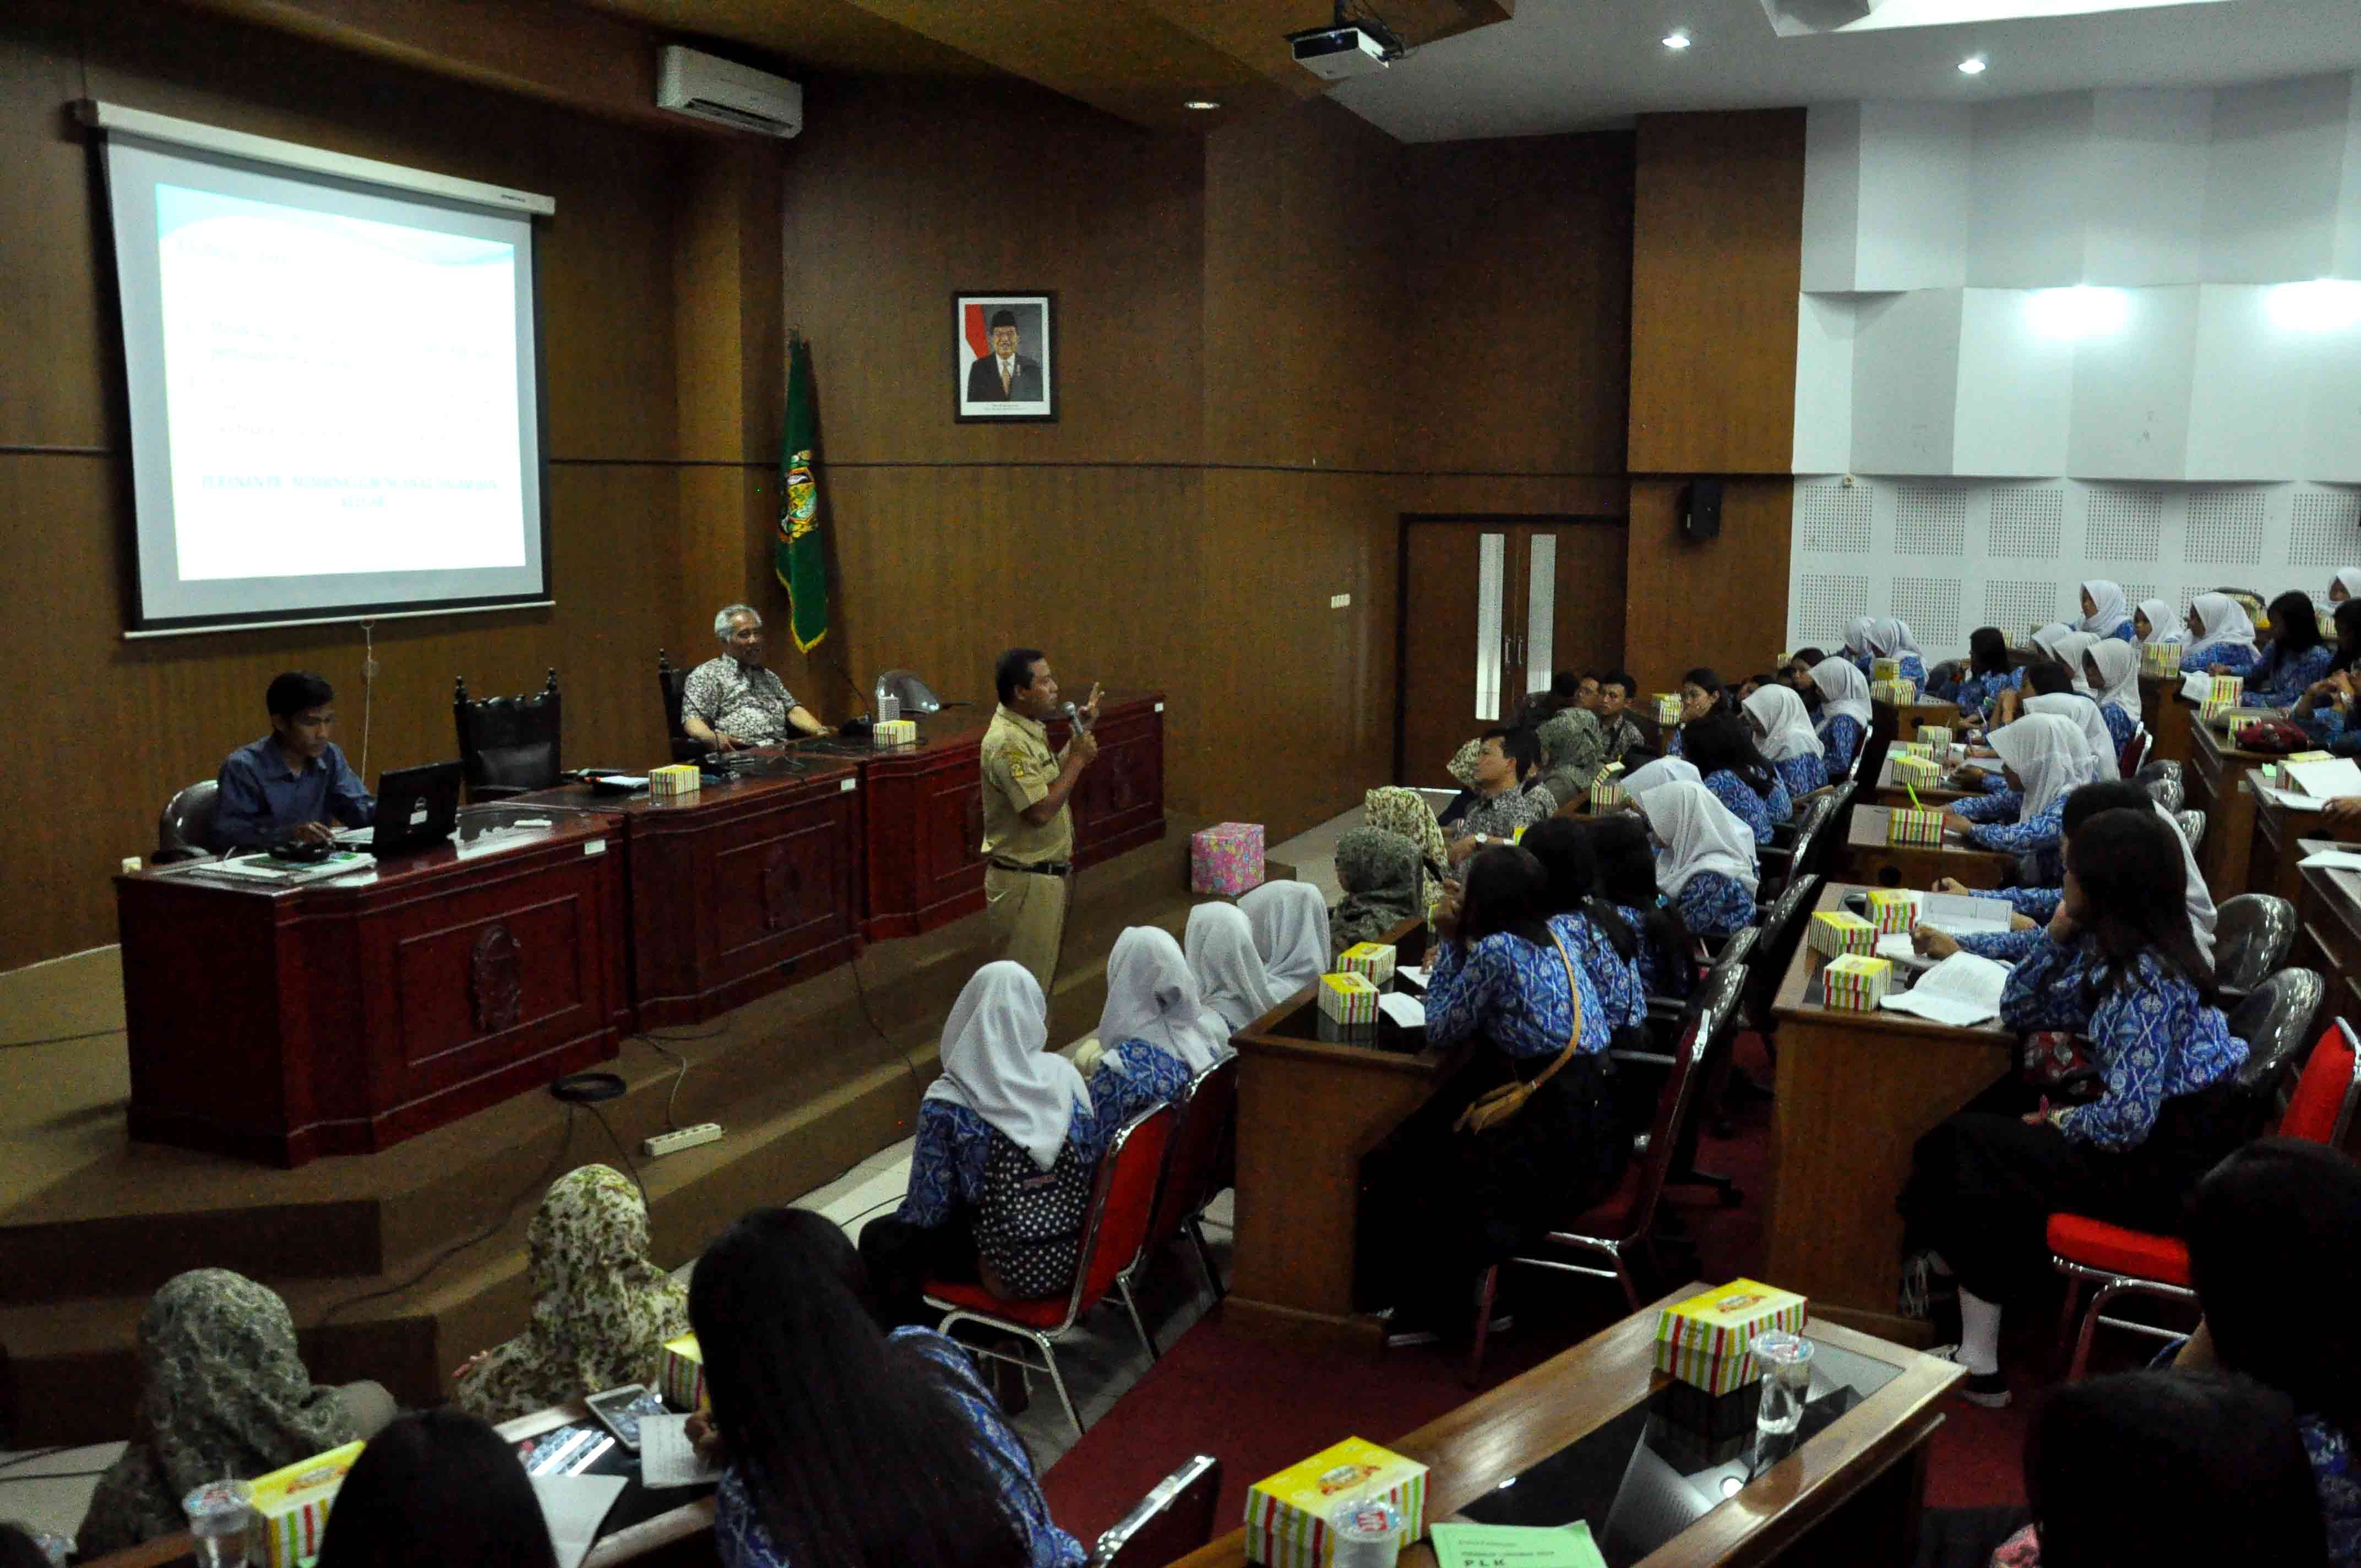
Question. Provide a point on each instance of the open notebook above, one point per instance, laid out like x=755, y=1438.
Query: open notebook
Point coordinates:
x=1962, y=990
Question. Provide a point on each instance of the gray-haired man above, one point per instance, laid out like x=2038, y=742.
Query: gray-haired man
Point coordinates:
x=732, y=702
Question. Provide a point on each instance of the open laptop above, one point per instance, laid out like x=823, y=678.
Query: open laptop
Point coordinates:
x=416, y=809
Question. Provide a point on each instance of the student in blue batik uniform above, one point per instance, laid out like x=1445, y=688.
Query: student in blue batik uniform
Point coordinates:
x=1153, y=1005
x=2156, y=624
x=2323, y=710
x=1844, y=713
x=1727, y=763
x=2119, y=970
x=2082, y=710
x=2271, y=1225
x=2105, y=613
x=1987, y=673
x=1856, y=644
x=844, y=1445
x=1891, y=638
x=1590, y=927
x=1783, y=729
x=1627, y=879
x=1003, y=1098
x=2297, y=657
x=2221, y=638
x=2112, y=671
x=2043, y=757
x=1701, y=694
x=1708, y=867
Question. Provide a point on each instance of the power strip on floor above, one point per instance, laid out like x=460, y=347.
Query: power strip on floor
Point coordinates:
x=686, y=1138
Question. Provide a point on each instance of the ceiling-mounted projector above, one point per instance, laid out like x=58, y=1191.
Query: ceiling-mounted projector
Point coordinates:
x=1338, y=52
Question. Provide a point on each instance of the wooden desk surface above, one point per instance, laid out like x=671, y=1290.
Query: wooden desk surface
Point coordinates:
x=1854, y=1091
x=1500, y=1434
x=427, y=871
x=1890, y=793
x=1868, y=859
x=2214, y=781
x=712, y=798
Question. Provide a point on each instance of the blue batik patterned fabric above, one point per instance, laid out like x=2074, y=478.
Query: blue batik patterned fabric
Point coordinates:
x=1839, y=740
x=2324, y=724
x=1742, y=802
x=2123, y=633
x=2339, y=1485
x=1974, y=694
x=1651, y=967
x=954, y=1144
x=2237, y=658
x=2150, y=1036
x=1798, y=777
x=1914, y=668
x=2036, y=904
x=2043, y=830
x=1715, y=905
x=2275, y=682
x=2008, y=947
x=2121, y=725
x=1999, y=804
x=743, y=1541
x=1512, y=993
x=1622, y=993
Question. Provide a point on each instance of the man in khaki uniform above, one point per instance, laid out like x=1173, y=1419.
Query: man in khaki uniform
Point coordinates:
x=1028, y=834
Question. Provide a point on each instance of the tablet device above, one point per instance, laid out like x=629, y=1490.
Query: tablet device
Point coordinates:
x=614, y=1411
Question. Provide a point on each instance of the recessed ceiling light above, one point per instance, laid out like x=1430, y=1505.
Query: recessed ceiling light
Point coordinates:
x=1677, y=38
x=1201, y=104
x=1974, y=65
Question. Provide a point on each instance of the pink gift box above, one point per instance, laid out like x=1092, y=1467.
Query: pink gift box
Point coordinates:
x=1226, y=857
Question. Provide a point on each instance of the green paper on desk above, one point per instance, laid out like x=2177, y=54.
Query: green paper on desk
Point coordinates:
x=1515, y=1546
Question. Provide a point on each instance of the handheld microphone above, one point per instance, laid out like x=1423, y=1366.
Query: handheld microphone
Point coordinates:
x=1075, y=717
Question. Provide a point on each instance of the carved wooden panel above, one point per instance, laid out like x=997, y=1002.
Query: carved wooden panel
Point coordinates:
x=781, y=886
x=496, y=981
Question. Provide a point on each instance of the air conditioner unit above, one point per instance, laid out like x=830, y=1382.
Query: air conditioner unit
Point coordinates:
x=715, y=89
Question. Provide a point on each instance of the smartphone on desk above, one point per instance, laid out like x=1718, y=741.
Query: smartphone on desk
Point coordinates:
x=620, y=1409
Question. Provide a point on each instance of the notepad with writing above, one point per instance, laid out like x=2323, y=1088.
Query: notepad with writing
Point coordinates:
x=666, y=1456
x=1515, y=1546
x=1965, y=915
x=1963, y=991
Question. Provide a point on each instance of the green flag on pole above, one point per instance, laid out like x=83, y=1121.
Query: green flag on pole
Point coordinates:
x=799, y=559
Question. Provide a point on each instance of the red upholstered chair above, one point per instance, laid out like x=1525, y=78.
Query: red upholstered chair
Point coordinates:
x=2118, y=1260
x=1113, y=1232
x=1192, y=1178
x=2134, y=753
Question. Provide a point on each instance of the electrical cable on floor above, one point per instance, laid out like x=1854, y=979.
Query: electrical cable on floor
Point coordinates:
x=672, y=1121
x=539, y=1183
x=59, y=1039
x=861, y=989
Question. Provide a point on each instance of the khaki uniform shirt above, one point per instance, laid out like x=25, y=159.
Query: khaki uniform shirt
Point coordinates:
x=1019, y=769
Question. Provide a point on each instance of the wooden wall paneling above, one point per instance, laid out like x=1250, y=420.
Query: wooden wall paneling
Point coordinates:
x=1513, y=343
x=52, y=392
x=1722, y=603
x=1717, y=254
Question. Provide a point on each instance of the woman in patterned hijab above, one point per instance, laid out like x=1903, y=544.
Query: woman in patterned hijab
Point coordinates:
x=226, y=1396
x=1461, y=766
x=601, y=1309
x=1573, y=749
x=1379, y=873
x=1395, y=809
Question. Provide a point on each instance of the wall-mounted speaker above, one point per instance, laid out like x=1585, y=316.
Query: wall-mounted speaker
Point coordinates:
x=1701, y=508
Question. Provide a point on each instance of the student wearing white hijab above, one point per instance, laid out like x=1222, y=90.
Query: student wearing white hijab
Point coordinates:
x=2069, y=651
x=1005, y=1104
x=1152, y=1001
x=2112, y=670
x=2043, y=757
x=2105, y=612
x=1230, y=977
x=1708, y=867
x=2046, y=637
x=2345, y=585
x=1656, y=775
x=1891, y=638
x=1856, y=635
x=1290, y=921
x=2222, y=638
x=2158, y=618
x=2082, y=712
x=1844, y=712
x=1785, y=738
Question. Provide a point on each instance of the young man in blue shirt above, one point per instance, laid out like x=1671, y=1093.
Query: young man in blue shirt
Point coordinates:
x=289, y=784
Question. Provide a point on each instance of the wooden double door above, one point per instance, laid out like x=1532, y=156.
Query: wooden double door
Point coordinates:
x=1491, y=607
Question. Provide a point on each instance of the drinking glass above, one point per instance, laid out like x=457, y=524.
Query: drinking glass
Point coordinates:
x=1787, y=1363
x=221, y=1514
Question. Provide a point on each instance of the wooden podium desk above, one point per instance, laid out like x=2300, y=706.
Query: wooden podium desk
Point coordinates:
x=2169, y=718
x=2283, y=836
x=2215, y=784
x=736, y=890
x=1869, y=858
x=1308, y=1111
x=279, y=1022
x=1853, y=1092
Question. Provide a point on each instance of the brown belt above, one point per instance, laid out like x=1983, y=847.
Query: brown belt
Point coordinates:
x=1048, y=868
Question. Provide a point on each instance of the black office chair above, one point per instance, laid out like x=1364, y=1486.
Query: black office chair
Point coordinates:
x=2275, y=1022
x=2192, y=828
x=674, y=686
x=1174, y=1520
x=2252, y=935
x=508, y=745
x=2163, y=783
x=185, y=829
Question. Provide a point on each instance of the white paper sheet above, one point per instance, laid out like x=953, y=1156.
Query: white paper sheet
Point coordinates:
x=666, y=1456
x=2334, y=859
x=1412, y=973
x=1965, y=915
x=2197, y=687
x=573, y=1507
x=2331, y=780
x=1407, y=1011
x=1963, y=989
x=2289, y=799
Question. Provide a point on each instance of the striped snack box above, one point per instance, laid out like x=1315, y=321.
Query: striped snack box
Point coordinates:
x=895, y=732
x=2228, y=691
x=1668, y=707
x=1913, y=749
x=1901, y=694
x=1913, y=825
x=1885, y=669
x=1936, y=738
x=1911, y=769
x=1607, y=790
x=1839, y=931
x=681, y=1378
x=1705, y=1340
x=1374, y=961
x=1287, y=1514
x=291, y=1505
x=1348, y=998
x=676, y=780
x=2160, y=659
x=1856, y=984
x=1892, y=909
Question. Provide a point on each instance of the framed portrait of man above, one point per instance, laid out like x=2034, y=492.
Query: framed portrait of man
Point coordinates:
x=1004, y=360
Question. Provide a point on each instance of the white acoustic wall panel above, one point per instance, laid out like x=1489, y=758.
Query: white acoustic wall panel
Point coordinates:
x=2332, y=424
x=2132, y=386
x=1906, y=382
x=2274, y=179
x=2032, y=179
x=2016, y=388
x=2145, y=201
x=1824, y=330
x=1832, y=198
x=2346, y=260
x=1950, y=555
x=1885, y=196
x=2251, y=398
